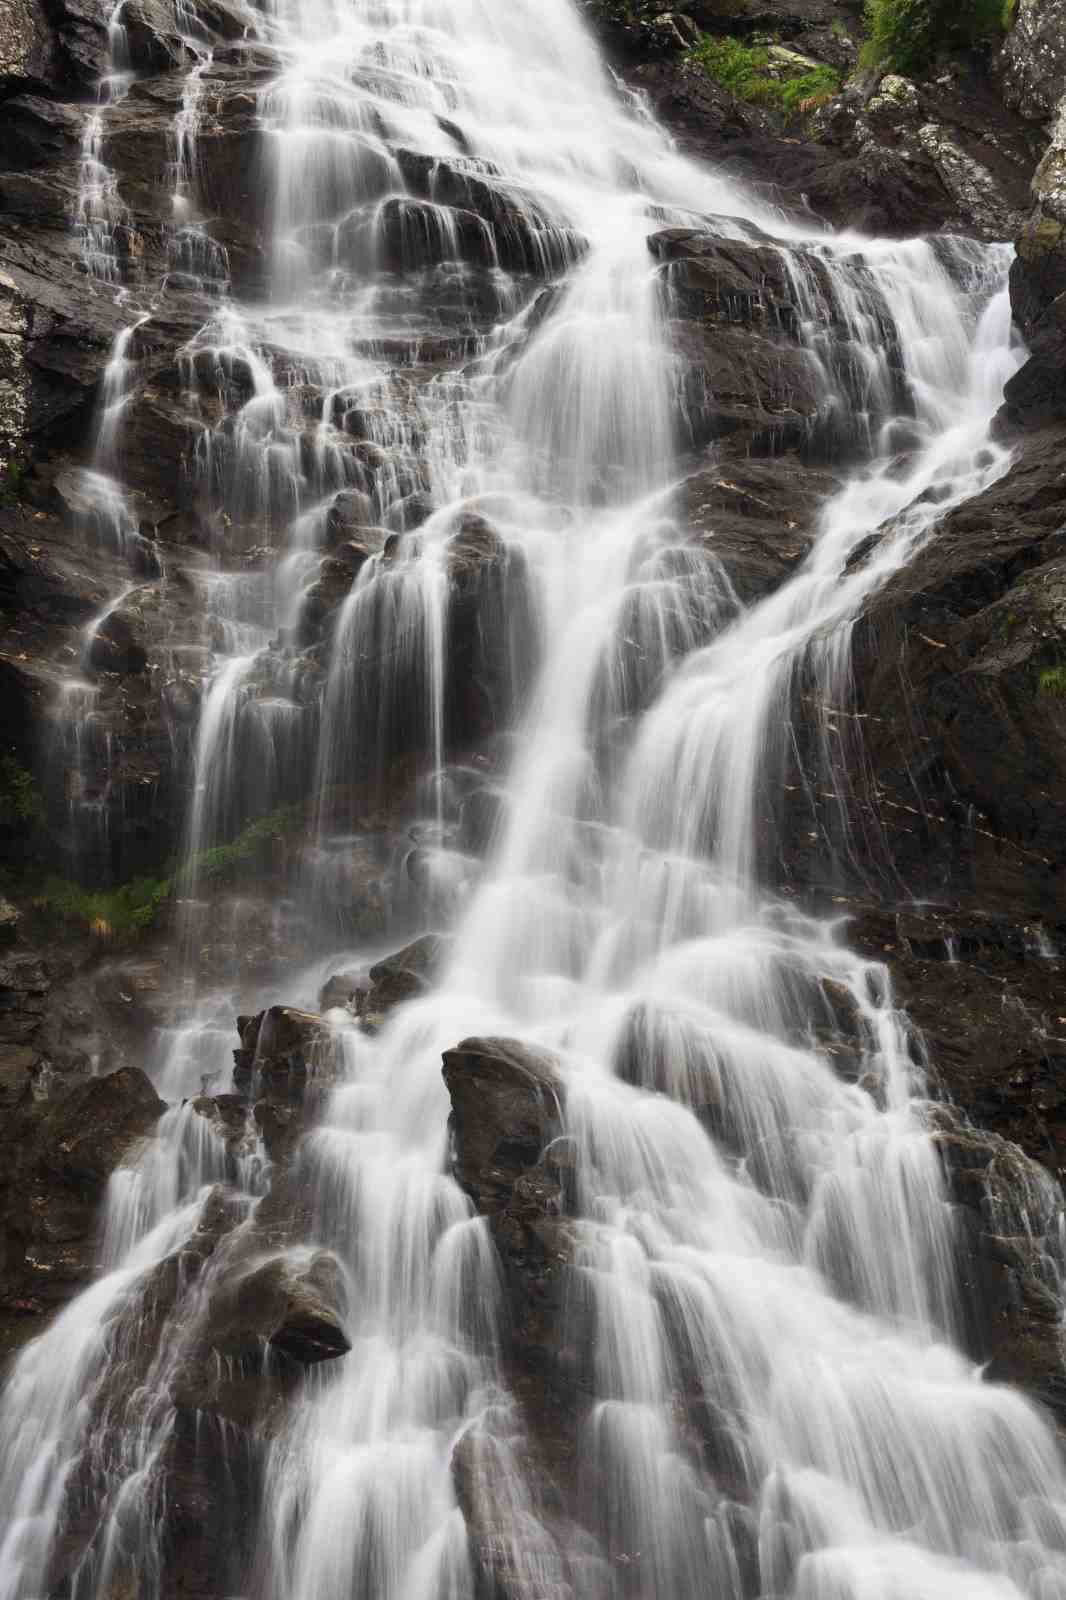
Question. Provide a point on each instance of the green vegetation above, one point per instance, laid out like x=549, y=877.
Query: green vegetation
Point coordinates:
x=135, y=906
x=751, y=72
x=12, y=481
x=1053, y=681
x=105, y=912
x=250, y=843
x=21, y=805
x=905, y=35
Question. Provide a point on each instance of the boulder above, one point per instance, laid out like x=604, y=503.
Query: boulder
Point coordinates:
x=342, y=989
x=286, y=1302
x=281, y=1045
x=402, y=976
x=118, y=644
x=86, y=1134
x=507, y=1101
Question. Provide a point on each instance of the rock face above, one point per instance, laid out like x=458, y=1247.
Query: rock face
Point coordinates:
x=55, y=1159
x=1032, y=62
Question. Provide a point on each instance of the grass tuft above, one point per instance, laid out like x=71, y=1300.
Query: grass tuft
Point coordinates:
x=750, y=73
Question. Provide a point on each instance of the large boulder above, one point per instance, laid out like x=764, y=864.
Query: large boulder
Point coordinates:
x=511, y=1157
x=506, y=1109
x=56, y=1157
x=86, y=1134
x=287, y=1303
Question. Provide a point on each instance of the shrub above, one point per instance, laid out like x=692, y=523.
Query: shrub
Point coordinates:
x=250, y=843
x=117, y=912
x=135, y=906
x=905, y=35
x=21, y=805
x=750, y=73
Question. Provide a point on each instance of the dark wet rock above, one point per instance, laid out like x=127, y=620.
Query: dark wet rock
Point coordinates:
x=732, y=506
x=506, y=1544
x=405, y=975
x=1008, y=1212
x=956, y=670
x=506, y=1109
x=84, y=1136
x=280, y=1128
x=510, y=1155
x=55, y=1159
x=287, y=1303
x=281, y=1046
x=228, y=1114
x=329, y=590
x=983, y=992
x=118, y=644
x=341, y=989
x=744, y=373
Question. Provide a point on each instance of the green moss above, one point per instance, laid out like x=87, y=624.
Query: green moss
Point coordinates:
x=750, y=73
x=12, y=481
x=1039, y=238
x=250, y=843
x=21, y=805
x=1053, y=681
x=905, y=35
x=135, y=906
x=108, y=913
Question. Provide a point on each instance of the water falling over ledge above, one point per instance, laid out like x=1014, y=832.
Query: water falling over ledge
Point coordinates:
x=757, y=1338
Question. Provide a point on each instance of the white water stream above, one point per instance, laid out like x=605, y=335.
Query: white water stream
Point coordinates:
x=789, y=1259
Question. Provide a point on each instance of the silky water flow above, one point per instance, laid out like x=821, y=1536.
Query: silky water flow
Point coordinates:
x=742, y=1216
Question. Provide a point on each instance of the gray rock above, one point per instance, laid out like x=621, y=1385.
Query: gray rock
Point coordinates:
x=28, y=54
x=1032, y=62
x=971, y=185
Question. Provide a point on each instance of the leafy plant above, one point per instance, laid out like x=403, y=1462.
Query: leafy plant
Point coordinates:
x=134, y=906
x=750, y=72
x=1053, y=681
x=21, y=805
x=250, y=843
x=905, y=35
x=117, y=912
x=12, y=481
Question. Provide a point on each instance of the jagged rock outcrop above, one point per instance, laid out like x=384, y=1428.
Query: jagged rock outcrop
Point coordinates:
x=1032, y=61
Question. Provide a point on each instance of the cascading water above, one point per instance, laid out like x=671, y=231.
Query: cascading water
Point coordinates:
x=749, y=1227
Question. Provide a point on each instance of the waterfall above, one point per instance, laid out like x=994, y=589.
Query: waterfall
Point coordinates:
x=756, y=1237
